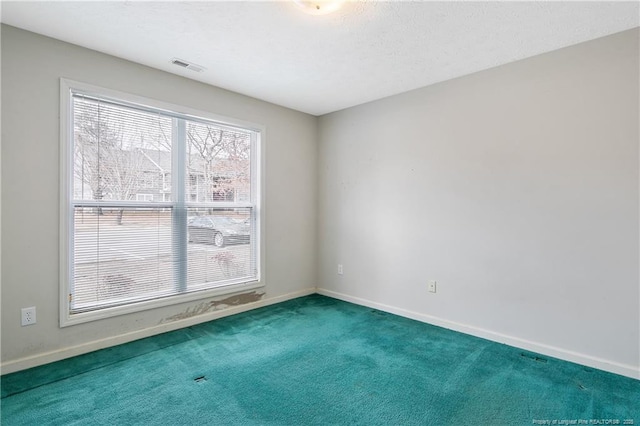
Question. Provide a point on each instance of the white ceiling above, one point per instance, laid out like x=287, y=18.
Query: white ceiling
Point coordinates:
x=318, y=64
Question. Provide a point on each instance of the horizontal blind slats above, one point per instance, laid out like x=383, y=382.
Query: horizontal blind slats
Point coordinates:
x=220, y=246
x=124, y=206
x=121, y=261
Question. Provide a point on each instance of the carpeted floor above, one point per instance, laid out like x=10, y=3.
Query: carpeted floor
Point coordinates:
x=316, y=361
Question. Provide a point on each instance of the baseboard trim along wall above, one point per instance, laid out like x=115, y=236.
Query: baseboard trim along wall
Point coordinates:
x=57, y=355
x=48, y=357
x=565, y=355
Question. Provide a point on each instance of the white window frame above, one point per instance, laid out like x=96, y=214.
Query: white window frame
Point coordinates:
x=67, y=87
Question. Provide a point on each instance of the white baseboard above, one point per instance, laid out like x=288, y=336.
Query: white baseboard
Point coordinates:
x=60, y=354
x=563, y=354
x=57, y=355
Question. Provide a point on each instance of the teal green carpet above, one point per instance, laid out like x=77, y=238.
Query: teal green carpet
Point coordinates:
x=316, y=361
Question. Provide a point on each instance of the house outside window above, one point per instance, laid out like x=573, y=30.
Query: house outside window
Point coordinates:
x=144, y=197
x=150, y=215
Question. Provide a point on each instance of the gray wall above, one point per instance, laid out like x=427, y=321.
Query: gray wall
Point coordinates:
x=515, y=188
x=31, y=68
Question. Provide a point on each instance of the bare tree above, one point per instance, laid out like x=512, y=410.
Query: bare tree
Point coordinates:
x=219, y=159
x=115, y=149
x=106, y=158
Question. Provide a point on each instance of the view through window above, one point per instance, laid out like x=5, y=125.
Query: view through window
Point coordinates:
x=160, y=204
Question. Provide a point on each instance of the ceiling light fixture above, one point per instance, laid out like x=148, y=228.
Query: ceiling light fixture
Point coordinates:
x=319, y=7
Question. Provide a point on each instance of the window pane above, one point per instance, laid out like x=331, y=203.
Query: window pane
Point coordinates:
x=218, y=164
x=121, y=255
x=125, y=250
x=221, y=248
x=120, y=153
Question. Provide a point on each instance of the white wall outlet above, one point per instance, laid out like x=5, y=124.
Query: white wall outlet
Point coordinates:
x=432, y=286
x=340, y=270
x=29, y=315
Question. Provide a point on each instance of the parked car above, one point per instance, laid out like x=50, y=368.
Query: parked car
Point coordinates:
x=218, y=230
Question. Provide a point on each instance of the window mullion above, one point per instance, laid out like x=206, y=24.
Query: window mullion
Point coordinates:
x=179, y=212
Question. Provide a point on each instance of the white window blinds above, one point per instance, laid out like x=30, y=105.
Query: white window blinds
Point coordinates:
x=161, y=204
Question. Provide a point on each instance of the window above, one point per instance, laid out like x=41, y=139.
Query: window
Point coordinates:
x=149, y=179
x=144, y=197
x=149, y=212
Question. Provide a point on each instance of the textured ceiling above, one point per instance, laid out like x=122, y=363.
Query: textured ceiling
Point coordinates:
x=318, y=64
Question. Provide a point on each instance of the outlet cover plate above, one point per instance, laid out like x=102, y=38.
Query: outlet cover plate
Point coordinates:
x=28, y=316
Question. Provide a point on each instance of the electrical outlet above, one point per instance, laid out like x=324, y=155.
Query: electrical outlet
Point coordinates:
x=28, y=316
x=432, y=286
x=340, y=270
